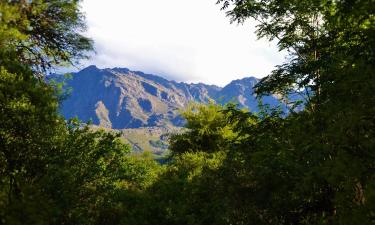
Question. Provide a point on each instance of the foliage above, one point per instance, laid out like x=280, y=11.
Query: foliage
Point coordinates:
x=41, y=34
x=54, y=171
x=311, y=167
x=207, y=130
x=180, y=195
x=28, y=125
x=228, y=166
x=323, y=38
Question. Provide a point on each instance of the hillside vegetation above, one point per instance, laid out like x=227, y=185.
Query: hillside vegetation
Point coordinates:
x=154, y=140
x=229, y=165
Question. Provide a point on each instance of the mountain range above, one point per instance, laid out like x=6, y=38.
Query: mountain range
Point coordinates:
x=145, y=107
x=119, y=98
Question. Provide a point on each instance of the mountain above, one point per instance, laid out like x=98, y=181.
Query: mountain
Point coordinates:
x=144, y=107
x=119, y=98
x=241, y=92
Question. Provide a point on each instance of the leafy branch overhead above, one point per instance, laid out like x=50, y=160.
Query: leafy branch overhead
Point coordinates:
x=42, y=34
x=314, y=33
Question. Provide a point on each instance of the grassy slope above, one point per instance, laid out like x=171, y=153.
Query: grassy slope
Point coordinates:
x=141, y=139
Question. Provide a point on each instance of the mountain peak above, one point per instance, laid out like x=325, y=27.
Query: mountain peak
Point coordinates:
x=120, y=70
x=90, y=68
x=245, y=81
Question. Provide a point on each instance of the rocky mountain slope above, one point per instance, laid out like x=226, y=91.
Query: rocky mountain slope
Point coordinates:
x=119, y=98
x=144, y=107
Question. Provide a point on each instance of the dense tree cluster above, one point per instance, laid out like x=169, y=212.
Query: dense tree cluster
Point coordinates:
x=229, y=166
x=53, y=171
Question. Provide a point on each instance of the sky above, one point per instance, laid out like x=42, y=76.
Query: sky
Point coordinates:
x=182, y=40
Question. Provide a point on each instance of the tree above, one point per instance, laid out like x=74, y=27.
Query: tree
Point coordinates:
x=41, y=34
x=29, y=126
x=323, y=38
x=206, y=130
x=311, y=167
x=51, y=171
x=330, y=44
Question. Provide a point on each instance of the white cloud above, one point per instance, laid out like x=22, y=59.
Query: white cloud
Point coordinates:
x=185, y=40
